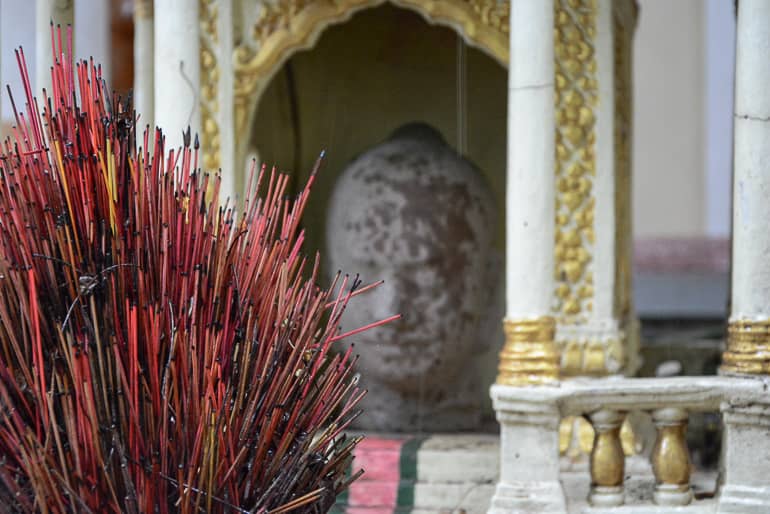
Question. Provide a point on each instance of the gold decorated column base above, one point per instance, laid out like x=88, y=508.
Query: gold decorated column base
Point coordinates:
x=529, y=356
x=748, y=347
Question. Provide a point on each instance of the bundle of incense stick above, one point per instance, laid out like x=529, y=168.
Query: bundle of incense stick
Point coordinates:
x=158, y=353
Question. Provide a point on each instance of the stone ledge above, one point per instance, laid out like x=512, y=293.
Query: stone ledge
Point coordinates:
x=582, y=395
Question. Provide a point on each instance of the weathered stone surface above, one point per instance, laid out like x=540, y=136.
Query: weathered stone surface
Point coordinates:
x=414, y=213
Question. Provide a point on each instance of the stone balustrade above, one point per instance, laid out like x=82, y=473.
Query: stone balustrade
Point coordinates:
x=529, y=397
x=529, y=417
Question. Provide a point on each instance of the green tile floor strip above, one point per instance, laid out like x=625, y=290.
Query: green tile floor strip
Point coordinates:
x=408, y=472
x=342, y=498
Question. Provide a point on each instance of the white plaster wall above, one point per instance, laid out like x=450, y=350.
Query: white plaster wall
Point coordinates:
x=719, y=44
x=668, y=156
x=17, y=28
x=94, y=42
x=683, y=77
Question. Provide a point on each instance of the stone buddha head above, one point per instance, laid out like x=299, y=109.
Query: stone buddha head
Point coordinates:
x=413, y=212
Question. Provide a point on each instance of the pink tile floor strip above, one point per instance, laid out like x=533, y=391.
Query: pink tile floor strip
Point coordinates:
x=376, y=492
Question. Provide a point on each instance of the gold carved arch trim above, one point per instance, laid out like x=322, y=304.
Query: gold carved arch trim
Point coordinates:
x=287, y=26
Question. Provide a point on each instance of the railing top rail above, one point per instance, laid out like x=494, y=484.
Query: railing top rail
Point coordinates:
x=584, y=395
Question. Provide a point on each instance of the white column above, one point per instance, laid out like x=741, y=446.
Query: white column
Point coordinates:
x=530, y=187
x=529, y=443
x=177, y=69
x=751, y=239
x=144, y=61
x=96, y=41
x=61, y=12
x=603, y=269
x=232, y=179
x=529, y=355
x=749, y=330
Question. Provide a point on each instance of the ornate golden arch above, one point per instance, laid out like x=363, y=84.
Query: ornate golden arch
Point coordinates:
x=288, y=26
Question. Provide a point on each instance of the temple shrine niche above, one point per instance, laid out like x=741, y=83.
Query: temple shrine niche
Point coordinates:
x=398, y=71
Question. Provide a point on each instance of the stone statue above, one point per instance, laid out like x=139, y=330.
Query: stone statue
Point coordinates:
x=414, y=213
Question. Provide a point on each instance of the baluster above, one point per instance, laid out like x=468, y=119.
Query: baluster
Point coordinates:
x=607, y=459
x=671, y=458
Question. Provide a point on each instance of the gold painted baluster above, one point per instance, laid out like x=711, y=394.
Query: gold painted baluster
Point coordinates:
x=607, y=459
x=671, y=458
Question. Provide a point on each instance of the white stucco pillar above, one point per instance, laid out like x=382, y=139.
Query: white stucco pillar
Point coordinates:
x=60, y=12
x=96, y=41
x=529, y=354
x=530, y=183
x=144, y=61
x=231, y=185
x=529, y=463
x=177, y=68
x=748, y=349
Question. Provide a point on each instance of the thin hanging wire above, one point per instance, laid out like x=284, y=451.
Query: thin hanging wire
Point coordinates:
x=462, y=97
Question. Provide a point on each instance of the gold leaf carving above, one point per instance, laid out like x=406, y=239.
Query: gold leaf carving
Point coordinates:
x=284, y=26
x=528, y=356
x=585, y=349
x=493, y=13
x=276, y=16
x=210, y=142
x=748, y=347
x=576, y=87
